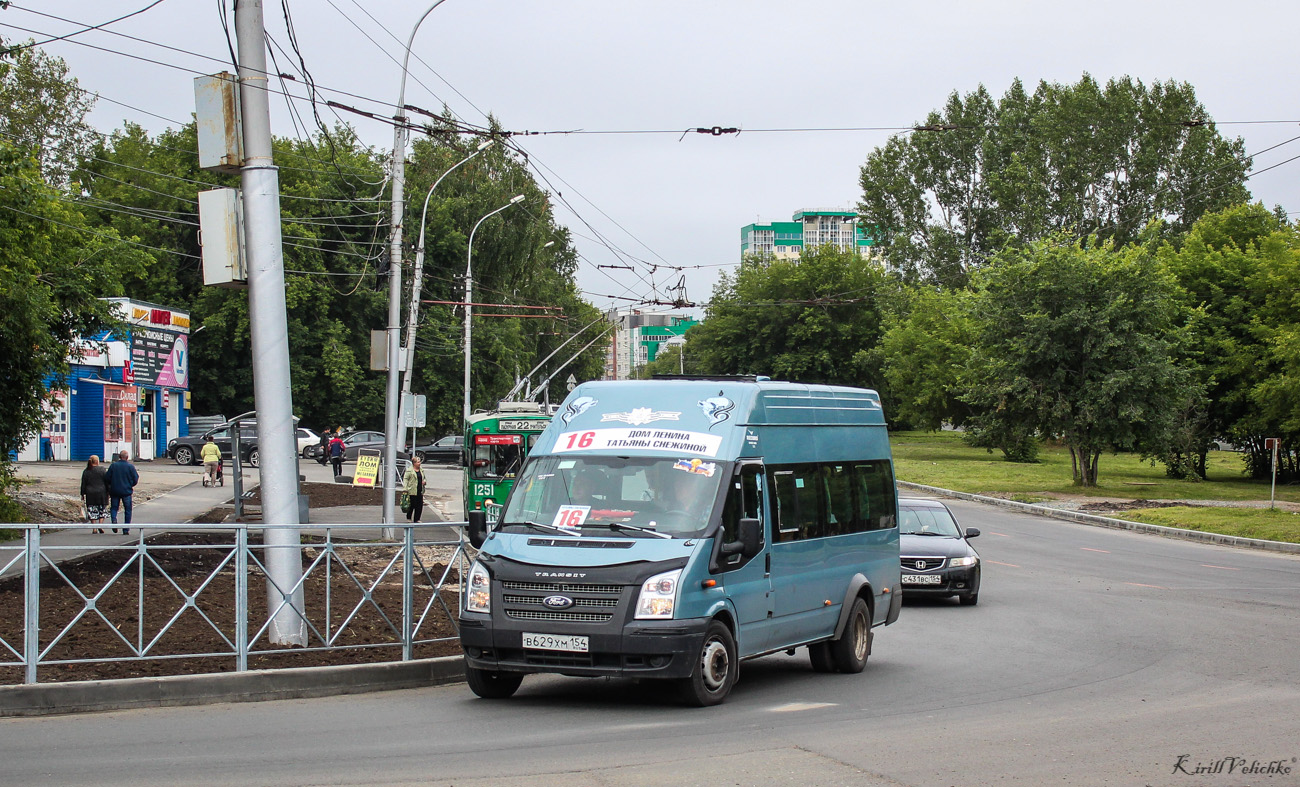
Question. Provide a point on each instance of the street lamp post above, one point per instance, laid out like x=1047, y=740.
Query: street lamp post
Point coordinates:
x=395, y=282
x=469, y=291
x=417, y=282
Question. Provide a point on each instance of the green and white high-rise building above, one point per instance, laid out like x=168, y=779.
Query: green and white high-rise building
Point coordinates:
x=786, y=240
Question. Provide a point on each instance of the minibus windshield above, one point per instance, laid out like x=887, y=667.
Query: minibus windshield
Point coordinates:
x=594, y=495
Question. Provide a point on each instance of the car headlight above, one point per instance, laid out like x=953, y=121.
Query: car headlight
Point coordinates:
x=479, y=597
x=960, y=562
x=658, y=596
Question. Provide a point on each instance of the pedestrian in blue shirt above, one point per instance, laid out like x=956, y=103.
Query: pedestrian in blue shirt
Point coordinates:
x=122, y=478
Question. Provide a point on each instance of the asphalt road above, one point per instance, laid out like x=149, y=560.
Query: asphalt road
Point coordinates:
x=1095, y=657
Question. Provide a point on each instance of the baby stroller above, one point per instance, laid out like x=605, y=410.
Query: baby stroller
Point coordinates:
x=220, y=479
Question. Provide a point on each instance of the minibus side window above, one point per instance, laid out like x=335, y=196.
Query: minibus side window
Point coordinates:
x=841, y=516
x=874, y=493
x=799, y=490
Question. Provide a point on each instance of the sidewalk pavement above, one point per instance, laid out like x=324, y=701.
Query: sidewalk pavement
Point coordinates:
x=184, y=504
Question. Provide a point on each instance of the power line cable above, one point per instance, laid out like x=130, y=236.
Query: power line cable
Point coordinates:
x=13, y=49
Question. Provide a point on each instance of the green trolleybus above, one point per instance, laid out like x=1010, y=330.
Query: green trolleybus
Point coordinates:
x=495, y=446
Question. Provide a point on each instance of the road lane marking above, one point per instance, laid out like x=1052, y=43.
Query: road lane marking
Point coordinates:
x=1004, y=535
x=1090, y=549
x=996, y=563
x=1139, y=584
x=1225, y=568
x=800, y=706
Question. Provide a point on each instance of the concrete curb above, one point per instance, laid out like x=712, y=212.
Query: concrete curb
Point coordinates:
x=1118, y=524
x=45, y=699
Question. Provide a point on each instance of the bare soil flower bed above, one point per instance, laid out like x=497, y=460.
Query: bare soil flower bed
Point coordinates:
x=190, y=568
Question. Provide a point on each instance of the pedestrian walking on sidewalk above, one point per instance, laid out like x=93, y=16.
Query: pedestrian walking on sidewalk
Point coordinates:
x=122, y=478
x=211, y=456
x=413, y=488
x=94, y=493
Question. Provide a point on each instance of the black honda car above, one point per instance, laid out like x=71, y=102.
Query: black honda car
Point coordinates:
x=937, y=557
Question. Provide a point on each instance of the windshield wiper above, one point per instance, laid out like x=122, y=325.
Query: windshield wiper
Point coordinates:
x=540, y=526
x=927, y=533
x=621, y=526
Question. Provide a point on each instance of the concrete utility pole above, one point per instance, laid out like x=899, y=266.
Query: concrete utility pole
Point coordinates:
x=391, y=410
x=417, y=282
x=268, y=324
x=469, y=291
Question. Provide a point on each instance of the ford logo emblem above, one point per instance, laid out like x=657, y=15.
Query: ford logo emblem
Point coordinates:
x=557, y=602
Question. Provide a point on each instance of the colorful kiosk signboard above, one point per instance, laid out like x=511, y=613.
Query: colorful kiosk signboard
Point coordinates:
x=126, y=392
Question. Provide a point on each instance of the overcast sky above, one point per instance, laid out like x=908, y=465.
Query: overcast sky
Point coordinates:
x=608, y=65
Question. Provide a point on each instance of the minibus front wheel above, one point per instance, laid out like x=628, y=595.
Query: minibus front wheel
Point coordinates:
x=492, y=685
x=716, y=668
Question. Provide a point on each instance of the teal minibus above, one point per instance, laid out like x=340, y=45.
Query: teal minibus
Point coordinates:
x=672, y=528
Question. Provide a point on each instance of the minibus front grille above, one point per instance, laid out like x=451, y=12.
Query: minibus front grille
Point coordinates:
x=559, y=587
x=568, y=617
x=536, y=601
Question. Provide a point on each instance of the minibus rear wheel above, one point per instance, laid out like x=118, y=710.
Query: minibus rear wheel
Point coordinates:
x=716, y=668
x=821, y=657
x=491, y=685
x=854, y=645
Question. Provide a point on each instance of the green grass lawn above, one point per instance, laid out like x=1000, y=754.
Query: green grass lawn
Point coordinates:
x=1274, y=525
x=941, y=459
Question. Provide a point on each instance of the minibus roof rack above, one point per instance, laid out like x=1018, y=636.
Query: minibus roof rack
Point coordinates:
x=719, y=378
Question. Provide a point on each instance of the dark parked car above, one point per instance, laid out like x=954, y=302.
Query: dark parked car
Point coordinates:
x=186, y=450
x=353, y=443
x=446, y=449
x=937, y=558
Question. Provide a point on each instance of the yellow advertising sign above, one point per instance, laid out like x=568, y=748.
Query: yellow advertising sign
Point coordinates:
x=367, y=472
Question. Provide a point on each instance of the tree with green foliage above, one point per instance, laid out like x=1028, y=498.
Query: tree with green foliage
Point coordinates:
x=54, y=271
x=923, y=354
x=335, y=229
x=812, y=320
x=1076, y=342
x=44, y=110
x=1097, y=161
x=1237, y=273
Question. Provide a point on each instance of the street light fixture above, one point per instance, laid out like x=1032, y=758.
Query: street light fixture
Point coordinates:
x=417, y=281
x=469, y=291
x=395, y=283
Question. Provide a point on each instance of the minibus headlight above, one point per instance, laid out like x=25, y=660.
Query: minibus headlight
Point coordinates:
x=658, y=595
x=959, y=562
x=479, y=596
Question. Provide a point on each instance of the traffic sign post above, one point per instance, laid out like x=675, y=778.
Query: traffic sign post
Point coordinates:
x=414, y=408
x=1272, y=444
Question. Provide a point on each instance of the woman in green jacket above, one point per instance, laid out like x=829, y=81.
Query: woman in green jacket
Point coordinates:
x=413, y=488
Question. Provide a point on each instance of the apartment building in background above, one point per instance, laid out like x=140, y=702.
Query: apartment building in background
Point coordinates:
x=639, y=336
x=786, y=240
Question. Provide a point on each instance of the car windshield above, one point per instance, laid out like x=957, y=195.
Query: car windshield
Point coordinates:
x=627, y=495
x=927, y=522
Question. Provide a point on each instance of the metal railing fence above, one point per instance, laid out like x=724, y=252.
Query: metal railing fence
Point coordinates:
x=358, y=594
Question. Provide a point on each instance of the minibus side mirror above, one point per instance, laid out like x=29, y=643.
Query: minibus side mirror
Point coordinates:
x=478, y=529
x=971, y=532
x=751, y=537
